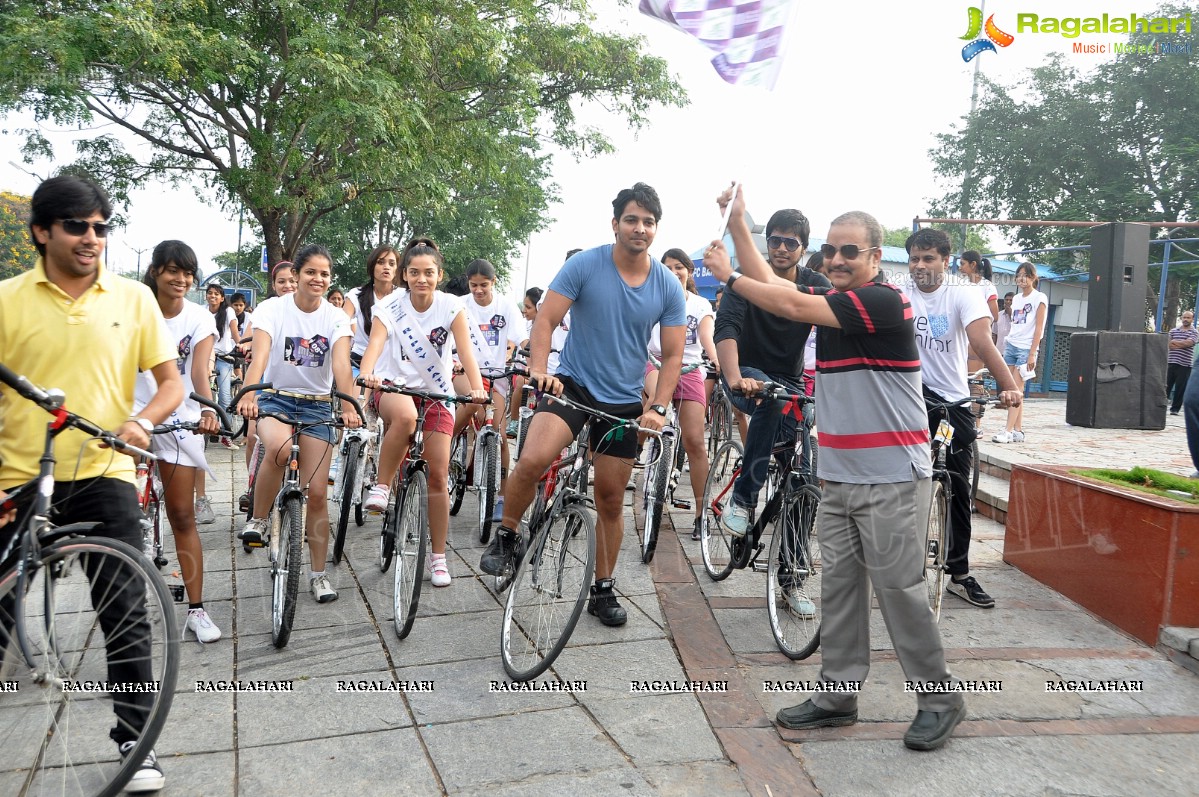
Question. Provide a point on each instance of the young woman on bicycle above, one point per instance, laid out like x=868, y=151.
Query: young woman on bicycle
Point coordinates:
x=301, y=344
x=411, y=343
x=336, y=297
x=690, y=391
x=496, y=329
x=170, y=276
x=283, y=282
x=382, y=265
x=528, y=309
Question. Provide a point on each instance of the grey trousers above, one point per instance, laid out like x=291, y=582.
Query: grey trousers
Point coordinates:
x=874, y=534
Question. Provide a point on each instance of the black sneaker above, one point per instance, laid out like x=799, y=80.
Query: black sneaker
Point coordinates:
x=697, y=529
x=968, y=590
x=146, y=778
x=243, y=502
x=603, y=603
x=501, y=555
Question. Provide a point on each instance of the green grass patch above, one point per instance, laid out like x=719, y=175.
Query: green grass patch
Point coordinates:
x=1148, y=480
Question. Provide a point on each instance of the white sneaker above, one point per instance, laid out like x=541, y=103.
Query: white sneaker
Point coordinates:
x=1017, y=436
x=204, y=513
x=439, y=570
x=334, y=467
x=1002, y=437
x=377, y=500
x=255, y=533
x=736, y=520
x=200, y=624
x=322, y=590
x=148, y=777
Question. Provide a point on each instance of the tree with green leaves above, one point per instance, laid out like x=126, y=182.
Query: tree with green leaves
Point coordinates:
x=16, y=247
x=1118, y=143
x=299, y=111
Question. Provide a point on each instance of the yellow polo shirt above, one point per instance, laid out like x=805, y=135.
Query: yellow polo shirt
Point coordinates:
x=91, y=348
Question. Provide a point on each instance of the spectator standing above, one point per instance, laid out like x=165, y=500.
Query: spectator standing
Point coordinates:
x=1182, y=351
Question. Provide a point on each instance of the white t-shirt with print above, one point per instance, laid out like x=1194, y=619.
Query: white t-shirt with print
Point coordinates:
x=557, y=340
x=224, y=343
x=301, y=358
x=493, y=328
x=428, y=335
x=987, y=288
x=941, y=318
x=1024, y=318
x=193, y=324
x=698, y=308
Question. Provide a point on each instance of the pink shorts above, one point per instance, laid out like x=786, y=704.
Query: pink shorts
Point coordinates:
x=690, y=386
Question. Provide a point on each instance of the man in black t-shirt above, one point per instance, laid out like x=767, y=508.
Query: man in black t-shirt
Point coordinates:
x=755, y=347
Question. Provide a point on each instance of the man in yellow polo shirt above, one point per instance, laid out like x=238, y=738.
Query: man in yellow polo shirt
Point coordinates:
x=69, y=324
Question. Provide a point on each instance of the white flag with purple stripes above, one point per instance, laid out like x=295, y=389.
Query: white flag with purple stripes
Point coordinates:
x=746, y=35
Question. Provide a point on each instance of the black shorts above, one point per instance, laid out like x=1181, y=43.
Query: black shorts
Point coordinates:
x=606, y=438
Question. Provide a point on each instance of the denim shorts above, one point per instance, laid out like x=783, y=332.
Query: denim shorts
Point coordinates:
x=1013, y=355
x=304, y=410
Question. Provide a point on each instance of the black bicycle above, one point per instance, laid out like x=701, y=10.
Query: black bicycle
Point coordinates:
x=792, y=561
x=76, y=606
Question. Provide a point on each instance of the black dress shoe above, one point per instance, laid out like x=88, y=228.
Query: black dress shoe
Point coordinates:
x=808, y=715
x=931, y=729
x=603, y=603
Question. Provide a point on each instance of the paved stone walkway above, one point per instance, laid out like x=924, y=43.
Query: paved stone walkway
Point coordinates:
x=462, y=738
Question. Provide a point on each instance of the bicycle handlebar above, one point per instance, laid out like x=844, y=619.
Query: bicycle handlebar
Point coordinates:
x=292, y=421
x=942, y=405
x=628, y=423
x=686, y=369
x=52, y=400
x=407, y=391
x=192, y=426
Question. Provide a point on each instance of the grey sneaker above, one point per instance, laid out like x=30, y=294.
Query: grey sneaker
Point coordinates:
x=736, y=520
x=322, y=590
x=204, y=513
x=798, y=604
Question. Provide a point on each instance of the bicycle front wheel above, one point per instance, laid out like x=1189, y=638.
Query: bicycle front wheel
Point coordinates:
x=716, y=544
x=720, y=426
x=974, y=475
x=548, y=593
x=287, y=549
x=458, y=472
x=410, y=533
x=653, y=494
x=489, y=481
x=99, y=625
x=794, y=575
x=370, y=472
x=345, y=507
x=935, y=544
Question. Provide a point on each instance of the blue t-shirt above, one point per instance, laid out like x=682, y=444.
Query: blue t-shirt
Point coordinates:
x=610, y=322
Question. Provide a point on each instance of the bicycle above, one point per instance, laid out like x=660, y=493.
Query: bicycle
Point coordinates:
x=793, y=565
x=939, y=531
x=69, y=600
x=405, y=521
x=720, y=420
x=981, y=380
x=661, y=477
x=356, y=476
x=285, y=540
x=550, y=583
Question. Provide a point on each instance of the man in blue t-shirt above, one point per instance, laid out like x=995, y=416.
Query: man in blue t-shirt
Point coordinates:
x=615, y=293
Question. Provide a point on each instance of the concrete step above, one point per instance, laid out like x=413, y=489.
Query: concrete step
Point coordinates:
x=992, y=497
x=1181, y=645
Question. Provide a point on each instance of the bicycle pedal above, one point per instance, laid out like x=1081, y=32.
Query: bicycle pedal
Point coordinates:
x=681, y=504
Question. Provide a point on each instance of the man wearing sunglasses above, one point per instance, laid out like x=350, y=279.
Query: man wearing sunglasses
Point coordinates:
x=875, y=465
x=70, y=324
x=756, y=346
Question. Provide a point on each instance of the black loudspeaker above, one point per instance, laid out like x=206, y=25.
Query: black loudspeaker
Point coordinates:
x=1117, y=380
x=1119, y=273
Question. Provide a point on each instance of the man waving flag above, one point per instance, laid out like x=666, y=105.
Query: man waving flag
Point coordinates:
x=746, y=35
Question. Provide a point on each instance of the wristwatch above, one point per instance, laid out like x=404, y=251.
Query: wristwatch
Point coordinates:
x=736, y=275
x=658, y=408
x=146, y=424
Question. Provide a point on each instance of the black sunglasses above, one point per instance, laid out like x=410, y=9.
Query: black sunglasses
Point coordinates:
x=848, y=251
x=775, y=241
x=79, y=227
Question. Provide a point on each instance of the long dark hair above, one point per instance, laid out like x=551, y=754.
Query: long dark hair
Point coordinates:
x=685, y=259
x=222, y=312
x=366, y=293
x=166, y=252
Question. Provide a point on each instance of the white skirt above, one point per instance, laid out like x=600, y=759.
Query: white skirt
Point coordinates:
x=181, y=448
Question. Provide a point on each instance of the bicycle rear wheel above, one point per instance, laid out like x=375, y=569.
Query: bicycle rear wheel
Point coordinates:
x=410, y=534
x=716, y=544
x=974, y=475
x=458, y=472
x=370, y=472
x=653, y=494
x=720, y=426
x=489, y=480
x=153, y=529
x=794, y=575
x=287, y=550
x=935, y=544
x=349, y=489
x=548, y=593
x=84, y=594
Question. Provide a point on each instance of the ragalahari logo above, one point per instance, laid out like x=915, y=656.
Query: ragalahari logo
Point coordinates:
x=979, y=45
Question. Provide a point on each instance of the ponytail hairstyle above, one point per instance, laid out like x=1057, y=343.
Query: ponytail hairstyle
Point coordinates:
x=534, y=295
x=1030, y=271
x=480, y=268
x=177, y=252
x=984, y=268
x=366, y=294
x=275, y=269
x=415, y=248
x=685, y=259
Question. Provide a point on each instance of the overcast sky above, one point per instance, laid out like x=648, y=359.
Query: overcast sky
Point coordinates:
x=862, y=94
